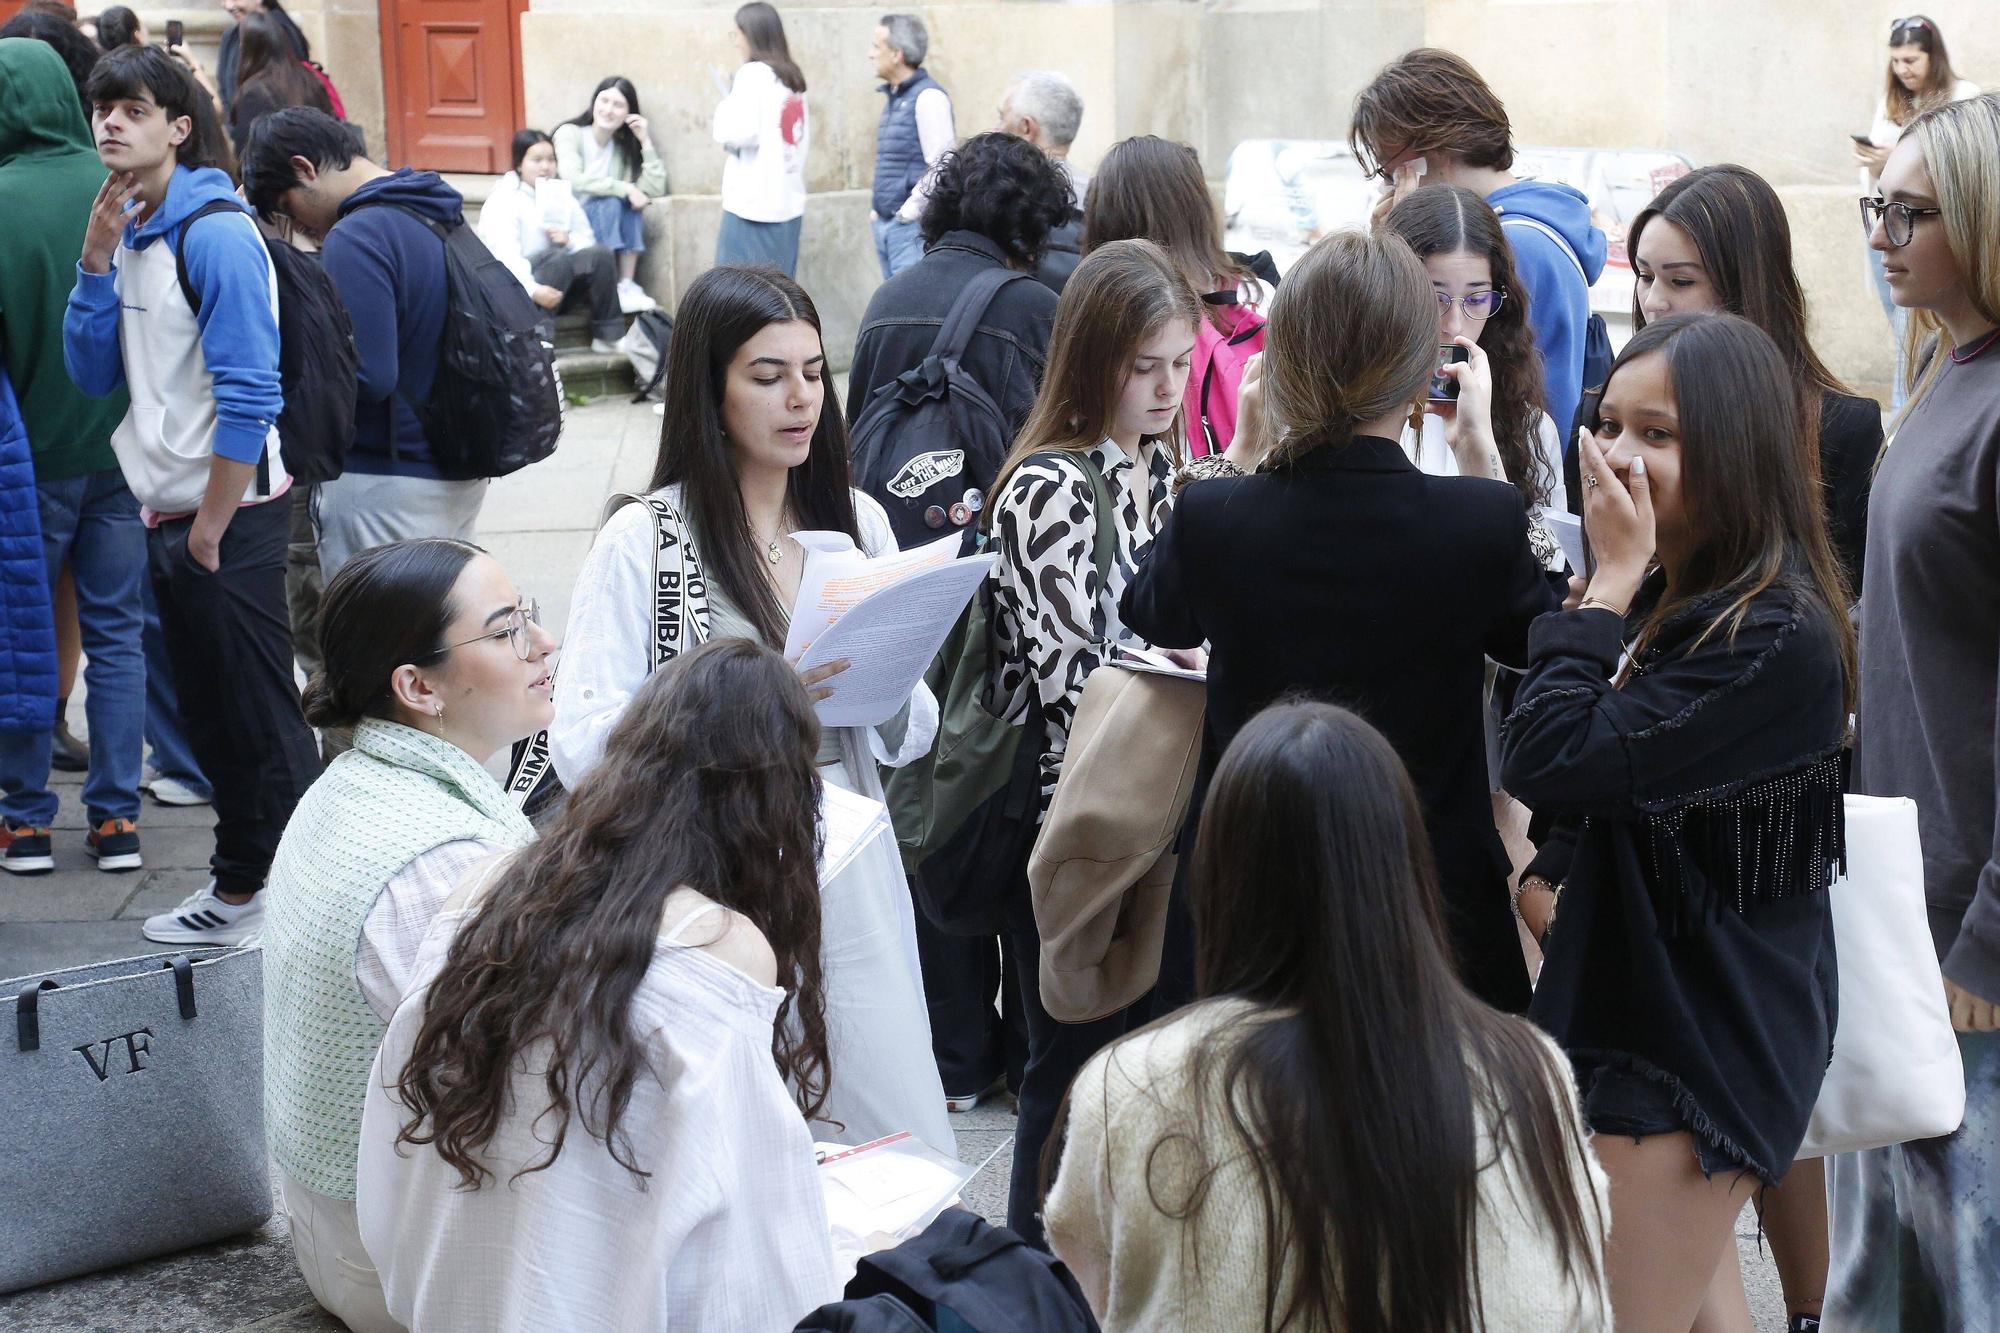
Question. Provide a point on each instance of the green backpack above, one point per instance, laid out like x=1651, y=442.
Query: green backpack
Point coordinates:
x=965, y=812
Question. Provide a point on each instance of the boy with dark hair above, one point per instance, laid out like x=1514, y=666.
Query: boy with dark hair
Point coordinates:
x=389, y=268
x=1429, y=119
x=199, y=448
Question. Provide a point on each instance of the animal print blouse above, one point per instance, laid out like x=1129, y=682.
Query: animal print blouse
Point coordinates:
x=1054, y=624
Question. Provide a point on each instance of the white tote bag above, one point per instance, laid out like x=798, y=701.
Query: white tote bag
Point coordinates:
x=1896, y=1073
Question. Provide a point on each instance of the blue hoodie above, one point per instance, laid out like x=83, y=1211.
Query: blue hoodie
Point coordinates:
x=228, y=265
x=389, y=270
x=1558, y=296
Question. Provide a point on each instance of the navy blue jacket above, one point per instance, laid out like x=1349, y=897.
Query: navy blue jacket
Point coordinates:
x=389, y=270
x=899, y=152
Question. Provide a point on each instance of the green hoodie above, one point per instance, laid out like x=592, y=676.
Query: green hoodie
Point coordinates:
x=49, y=177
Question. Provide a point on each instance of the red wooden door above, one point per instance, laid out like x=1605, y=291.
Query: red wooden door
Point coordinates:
x=452, y=75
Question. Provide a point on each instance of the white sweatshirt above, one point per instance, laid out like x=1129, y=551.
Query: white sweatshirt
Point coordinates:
x=764, y=128
x=510, y=223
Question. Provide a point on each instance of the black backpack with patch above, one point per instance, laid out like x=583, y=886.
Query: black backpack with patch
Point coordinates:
x=317, y=362
x=496, y=404
x=930, y=441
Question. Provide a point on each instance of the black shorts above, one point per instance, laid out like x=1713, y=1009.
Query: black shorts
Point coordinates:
x=1624, y=1102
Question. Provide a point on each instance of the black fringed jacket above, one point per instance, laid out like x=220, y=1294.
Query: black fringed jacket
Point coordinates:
x=1697, y=824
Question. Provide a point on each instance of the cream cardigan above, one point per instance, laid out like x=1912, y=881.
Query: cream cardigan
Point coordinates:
x=1143, y=1269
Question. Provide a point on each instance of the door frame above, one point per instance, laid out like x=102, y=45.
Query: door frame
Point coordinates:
x=391, y=29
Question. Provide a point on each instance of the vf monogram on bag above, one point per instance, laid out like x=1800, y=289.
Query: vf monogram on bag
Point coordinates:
x=97, y=1054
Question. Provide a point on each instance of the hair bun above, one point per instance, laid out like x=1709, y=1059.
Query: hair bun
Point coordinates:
x=320, y=705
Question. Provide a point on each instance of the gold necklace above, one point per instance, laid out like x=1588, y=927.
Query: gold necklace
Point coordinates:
x=773, y=552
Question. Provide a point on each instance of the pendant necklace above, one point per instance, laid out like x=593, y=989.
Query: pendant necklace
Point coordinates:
x=773, y=552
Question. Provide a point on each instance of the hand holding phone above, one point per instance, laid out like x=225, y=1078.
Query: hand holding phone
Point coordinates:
x=176, y=33
x=1444, y=386
x=1863, y=140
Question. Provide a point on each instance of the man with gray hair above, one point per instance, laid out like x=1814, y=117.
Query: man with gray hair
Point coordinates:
x=915, y=130
x=1045, y=108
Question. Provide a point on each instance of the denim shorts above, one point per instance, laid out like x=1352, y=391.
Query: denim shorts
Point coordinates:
x=1626, y=1103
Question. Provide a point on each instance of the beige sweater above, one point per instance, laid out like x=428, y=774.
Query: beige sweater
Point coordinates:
x=1144, y=1269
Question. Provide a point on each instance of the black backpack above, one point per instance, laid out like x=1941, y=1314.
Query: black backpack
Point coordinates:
x=317, y=362
x=496, y=404
x=961, y=1275
x=930, y=441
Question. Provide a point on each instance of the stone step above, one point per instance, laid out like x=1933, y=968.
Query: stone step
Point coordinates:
x=588, y=374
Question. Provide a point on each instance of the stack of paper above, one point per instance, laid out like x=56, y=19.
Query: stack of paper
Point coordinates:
x=884, y=1192
x=887, y=616
x=553, y=202
x=850, y=823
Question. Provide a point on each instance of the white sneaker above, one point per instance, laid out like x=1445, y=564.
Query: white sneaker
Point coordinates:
x=659, y=409
x=171, y=791
x=632, y=299
x=203, y=918
x=603, y=348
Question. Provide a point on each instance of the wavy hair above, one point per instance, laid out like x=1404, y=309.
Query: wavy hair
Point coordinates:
x=1430, y=101
x=1315, y=899
x=1149, y=188
x=1003, y=188
x=720, y=311
x=1749, y=477
x=1122, y=293
x=1447, y=219
x=707, y=782
x=1352, y=337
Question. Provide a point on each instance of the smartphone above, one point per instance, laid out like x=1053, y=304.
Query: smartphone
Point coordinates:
x=1444, y=388
x=1862, y=140
x=175, y=32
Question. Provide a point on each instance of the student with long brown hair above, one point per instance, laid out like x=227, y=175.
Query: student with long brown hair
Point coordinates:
x=752, y=451
x=763, y=127
x=270, y=75
x=1149, y=188
x=1109, y=420
x=1338, y=1135
x=591, y=1110
x=1683, y=723
x=1341, y=571
x=1717, y=240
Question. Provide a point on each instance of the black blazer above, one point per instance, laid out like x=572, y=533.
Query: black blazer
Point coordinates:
x=1350, y=576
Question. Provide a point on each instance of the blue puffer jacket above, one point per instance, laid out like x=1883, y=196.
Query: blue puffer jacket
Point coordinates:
x=27, y=624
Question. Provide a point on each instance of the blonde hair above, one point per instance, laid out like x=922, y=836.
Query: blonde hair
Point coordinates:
x=1122, y=293
x=1352, y=338
x=1961, y=147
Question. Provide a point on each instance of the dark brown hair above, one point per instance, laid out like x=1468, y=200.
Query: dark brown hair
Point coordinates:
x=1749, y=476
x=1923, y=34
x=386, y=607
x=1430, y=101
x=270, y=63
x=706, y=782
x=1363, y=1070
x=1151, y=189
x=1122, y=293
x=723, y=309
x=1739, y=228
x=764, y=31
x=1446, y=219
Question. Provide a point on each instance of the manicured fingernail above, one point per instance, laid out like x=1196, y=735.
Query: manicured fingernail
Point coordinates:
x=1638, y=467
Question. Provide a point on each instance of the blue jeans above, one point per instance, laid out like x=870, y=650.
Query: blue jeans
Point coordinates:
x=92, y=522
x=897, y=244
x=171, y=756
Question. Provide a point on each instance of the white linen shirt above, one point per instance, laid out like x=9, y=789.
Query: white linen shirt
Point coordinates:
x=385, y=962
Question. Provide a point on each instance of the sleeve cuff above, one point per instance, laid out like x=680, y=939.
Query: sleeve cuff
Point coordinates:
x=97, y=288
x=1594, y=634
x=1973, y=963
x=240, y=443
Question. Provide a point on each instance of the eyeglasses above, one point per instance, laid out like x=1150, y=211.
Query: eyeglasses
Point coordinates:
x=1476, y=305
x=1899, y=220
x=516, y=632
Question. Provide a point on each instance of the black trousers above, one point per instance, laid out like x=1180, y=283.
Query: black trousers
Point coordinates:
x=229, y=640
x=1058, y=1051
x=974, y=1041
x=588, y=277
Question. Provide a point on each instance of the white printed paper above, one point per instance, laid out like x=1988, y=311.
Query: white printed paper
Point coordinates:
x=888, y=1190
x=1568, y=532
x=1152, y=662
x=851, y=822
x=887, y=616
x=553, y=202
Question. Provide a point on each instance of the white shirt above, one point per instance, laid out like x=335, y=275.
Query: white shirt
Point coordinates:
x=1885, y=132
x=728, y=1236
x=935, y=136
x=385, y=962
x=764, y=126
x=511, y=225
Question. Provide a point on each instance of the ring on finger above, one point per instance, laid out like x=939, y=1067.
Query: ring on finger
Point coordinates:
x=1590, y=480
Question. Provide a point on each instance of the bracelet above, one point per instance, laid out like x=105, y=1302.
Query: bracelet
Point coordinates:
x=1531, y=882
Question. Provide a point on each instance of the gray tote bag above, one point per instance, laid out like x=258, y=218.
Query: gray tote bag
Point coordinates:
x=133, y=1104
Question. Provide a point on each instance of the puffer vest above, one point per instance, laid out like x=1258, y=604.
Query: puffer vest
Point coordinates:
x=899, y=153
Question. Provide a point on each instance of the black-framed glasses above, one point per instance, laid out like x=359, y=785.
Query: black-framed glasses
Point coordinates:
x=1476, y=305
x=1899, y=220
x=519, y=637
